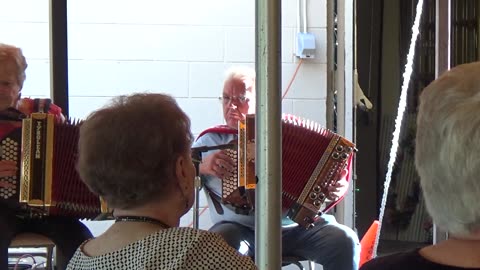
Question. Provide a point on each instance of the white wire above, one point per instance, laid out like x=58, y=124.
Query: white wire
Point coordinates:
x=305, y=16
x=398, y=121
x=299, y=14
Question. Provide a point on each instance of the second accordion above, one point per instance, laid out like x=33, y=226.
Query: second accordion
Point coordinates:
x=47, y=182
x=313, y=159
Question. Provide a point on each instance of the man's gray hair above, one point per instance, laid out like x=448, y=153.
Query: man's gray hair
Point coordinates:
x=447, y=154
x=243, y=73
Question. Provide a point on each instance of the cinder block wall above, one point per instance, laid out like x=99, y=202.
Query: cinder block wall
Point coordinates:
x=179, y=47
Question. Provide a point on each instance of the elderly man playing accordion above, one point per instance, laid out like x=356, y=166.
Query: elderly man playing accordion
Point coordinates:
x=66, y=233
x=334, y=246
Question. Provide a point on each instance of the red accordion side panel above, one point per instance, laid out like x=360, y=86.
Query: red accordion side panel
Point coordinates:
x=70, y=195
x=47, y=182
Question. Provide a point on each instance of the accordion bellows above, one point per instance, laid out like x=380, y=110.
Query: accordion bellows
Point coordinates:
x=47, y=182
x=313, y=159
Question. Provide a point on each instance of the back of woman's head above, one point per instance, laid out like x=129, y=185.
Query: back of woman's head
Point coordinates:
x=447, y=154
x=128, y=149
x=13, y=61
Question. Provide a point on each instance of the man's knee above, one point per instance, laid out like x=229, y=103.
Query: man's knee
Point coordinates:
x=345, y=239
x=237, y=236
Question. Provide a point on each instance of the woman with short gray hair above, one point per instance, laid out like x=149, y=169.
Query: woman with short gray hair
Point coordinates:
x=136, y=154
x=447, y=157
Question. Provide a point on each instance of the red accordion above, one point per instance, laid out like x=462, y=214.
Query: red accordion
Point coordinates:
x=313, y=159
x=47, y=182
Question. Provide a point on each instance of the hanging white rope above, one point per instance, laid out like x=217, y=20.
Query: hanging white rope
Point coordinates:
x=398, y=120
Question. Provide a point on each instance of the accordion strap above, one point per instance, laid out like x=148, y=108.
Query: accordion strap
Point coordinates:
x=217, y=203
x=42, y=105
x=215, y=200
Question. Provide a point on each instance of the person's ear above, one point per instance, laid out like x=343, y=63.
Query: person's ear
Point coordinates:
x=181, y=171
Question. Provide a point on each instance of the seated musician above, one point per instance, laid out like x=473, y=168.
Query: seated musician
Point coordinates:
x=66, y=233
x=447, y=158
x=136, y=154
x=334, y=246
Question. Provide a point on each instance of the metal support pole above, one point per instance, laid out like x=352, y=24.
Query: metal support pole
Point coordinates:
x=268, y=212
x=331, y=86
x=197, y=183
x=345, y=67
x=442, y=64
x=59, y=54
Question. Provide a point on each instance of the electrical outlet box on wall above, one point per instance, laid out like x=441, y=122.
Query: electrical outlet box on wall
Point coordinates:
x=305, y=45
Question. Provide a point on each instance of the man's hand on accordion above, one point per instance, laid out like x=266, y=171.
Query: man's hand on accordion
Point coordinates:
x=218, y=164
x=340, y=188
x=8, y=168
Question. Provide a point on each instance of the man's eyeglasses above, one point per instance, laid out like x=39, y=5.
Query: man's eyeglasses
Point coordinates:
x=239, y=99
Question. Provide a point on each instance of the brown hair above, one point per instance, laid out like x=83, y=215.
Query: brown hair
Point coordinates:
x=12, y=57
x=128, y=149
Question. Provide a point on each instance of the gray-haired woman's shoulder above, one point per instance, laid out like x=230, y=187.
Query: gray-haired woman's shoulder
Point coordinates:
x=208, y=250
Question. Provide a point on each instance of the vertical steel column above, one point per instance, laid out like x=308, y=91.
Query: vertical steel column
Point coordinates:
x=345, y=56
x=442, y=63
x=268, y=211
x=331, y=86
x=59, y=54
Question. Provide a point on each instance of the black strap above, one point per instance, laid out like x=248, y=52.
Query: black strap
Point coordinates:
x=46, y=105
x=217, y=203
x=41, y=105
x=215, y=200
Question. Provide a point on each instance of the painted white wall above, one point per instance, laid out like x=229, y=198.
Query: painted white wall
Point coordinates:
x=178, y=47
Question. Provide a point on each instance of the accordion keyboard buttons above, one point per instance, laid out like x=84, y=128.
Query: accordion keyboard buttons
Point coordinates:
x=9, y=151
x=230, y=184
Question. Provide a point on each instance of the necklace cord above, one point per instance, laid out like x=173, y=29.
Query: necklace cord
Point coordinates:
x=142, y=219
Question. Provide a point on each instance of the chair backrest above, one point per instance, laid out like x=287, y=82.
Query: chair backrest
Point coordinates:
x=31, y=240
x=295, y=260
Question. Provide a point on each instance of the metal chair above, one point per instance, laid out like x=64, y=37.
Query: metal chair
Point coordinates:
x=295, y=260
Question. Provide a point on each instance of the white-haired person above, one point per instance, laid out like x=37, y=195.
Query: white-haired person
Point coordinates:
x=447, y=158
x=333, y=245
x=67, y=233
x=136, y=154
